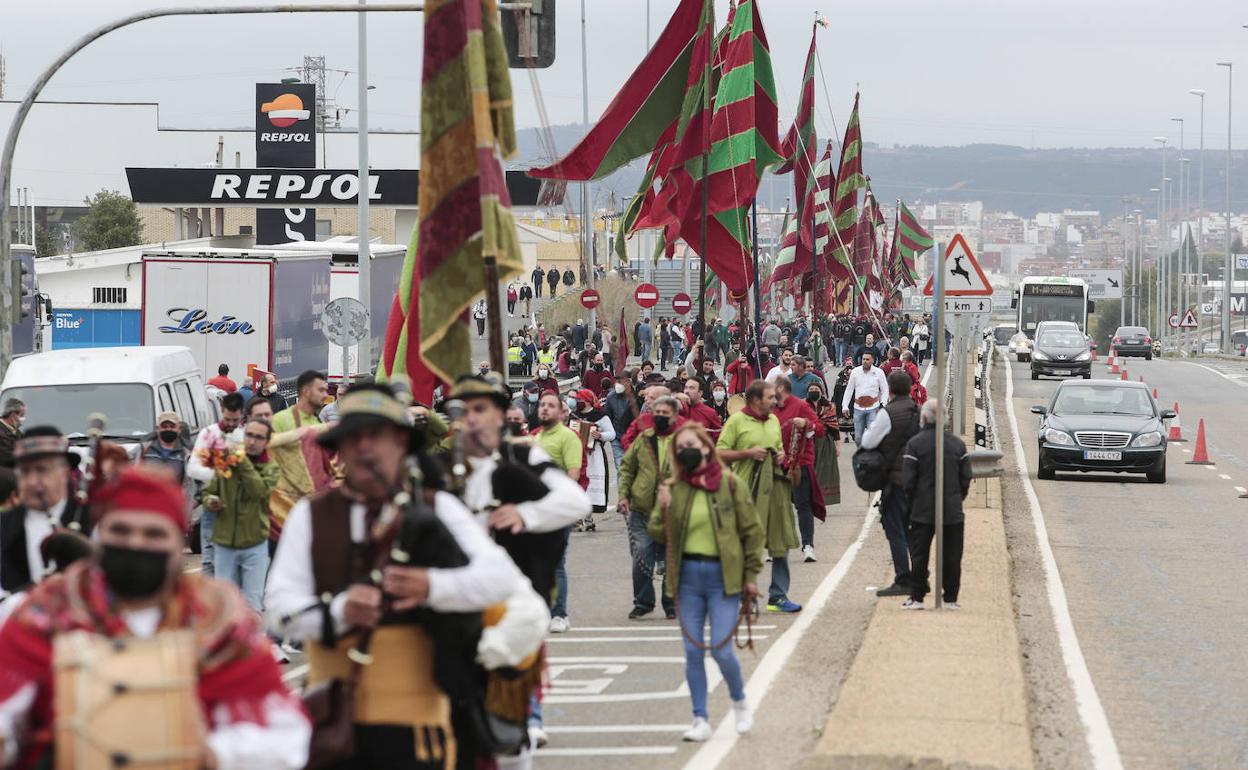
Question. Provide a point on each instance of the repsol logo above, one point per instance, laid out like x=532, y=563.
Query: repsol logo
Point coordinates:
x=261, y=188
x=194, y=321
x=295, y=136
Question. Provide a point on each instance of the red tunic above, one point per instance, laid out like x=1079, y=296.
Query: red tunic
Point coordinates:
x=793, y=408
x=704, y=416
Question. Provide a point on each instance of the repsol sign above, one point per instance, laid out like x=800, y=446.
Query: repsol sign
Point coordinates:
x=259, y=187
x=292, y=137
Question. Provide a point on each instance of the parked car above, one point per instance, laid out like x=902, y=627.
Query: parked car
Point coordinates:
x=1103, y=425
x=1061, y=352
x=1133, y=341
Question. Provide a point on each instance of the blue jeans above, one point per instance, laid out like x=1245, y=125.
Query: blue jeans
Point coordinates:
x=245, y=568
x=642, y=550
x=206, y=521
x=618, y=451
x=862, y=420
x=702, y=598
x=895, y=518
x=778, y=591
x=560, y=609
x=645, y=351
x=842, y=348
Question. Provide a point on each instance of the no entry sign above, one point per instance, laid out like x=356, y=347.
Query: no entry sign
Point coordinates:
x=590, y=298
x=681, y=303
x=647, y=295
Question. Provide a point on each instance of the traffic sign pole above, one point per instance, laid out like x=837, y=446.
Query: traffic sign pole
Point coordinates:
x=938, y=360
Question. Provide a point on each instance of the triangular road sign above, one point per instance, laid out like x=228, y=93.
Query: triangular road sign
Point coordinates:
x=963, y=276
x=1189, y=320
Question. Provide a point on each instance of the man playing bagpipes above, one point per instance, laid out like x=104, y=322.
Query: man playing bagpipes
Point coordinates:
x=514, y=489
x=387, y=579
x=124, y=660
x=752, y=443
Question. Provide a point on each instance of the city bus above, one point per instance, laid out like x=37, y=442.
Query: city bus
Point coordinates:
x=1051, y=298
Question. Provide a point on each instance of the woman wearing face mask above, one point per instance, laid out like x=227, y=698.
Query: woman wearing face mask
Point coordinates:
x=826, y=448
x=714, y=553
x=544, y=379
x=583, y=406
x=719, y=400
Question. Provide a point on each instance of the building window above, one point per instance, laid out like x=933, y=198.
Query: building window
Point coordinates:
x=324, y=228
x=108, y=295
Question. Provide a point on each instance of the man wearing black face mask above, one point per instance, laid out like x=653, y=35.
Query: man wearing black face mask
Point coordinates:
x=136, y=591
x=168, y=449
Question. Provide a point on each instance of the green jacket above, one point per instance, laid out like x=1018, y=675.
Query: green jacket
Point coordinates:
x=641, y=471
x=738, y=533
x=244, y=522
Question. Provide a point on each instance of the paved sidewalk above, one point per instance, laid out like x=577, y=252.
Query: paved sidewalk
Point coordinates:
x=944, y=686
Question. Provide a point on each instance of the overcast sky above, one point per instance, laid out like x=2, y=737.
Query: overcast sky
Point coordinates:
x=1057, y=73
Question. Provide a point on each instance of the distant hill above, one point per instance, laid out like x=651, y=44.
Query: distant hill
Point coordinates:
x=1004, y=177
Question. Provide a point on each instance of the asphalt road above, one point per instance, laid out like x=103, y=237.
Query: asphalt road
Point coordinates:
x=1149, y=572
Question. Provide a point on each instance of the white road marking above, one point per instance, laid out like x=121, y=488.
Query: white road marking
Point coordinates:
x=725, y=737
x=1186, y=450
x=1223, y=375
x=1224, y=477
x=640, y=627
x=624, y=639
x=1100, y=737
x=1241, y=490
x=1211, y=467
x=595, y=729
x=607, y=751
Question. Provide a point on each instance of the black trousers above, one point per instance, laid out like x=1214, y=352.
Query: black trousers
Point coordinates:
x=392, y=747
x=920, y=538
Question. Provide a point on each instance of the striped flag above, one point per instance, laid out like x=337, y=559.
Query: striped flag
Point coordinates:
x=909, y=241
x=464, y=207
x=644, y=108
x=742, y=143
x=800, y=144
x=849, y=179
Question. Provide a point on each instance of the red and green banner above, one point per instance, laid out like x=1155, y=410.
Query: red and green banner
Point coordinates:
x=799, y=146
x=465, y=217
x=645, y=106
x=849, y=179
x=909, y=241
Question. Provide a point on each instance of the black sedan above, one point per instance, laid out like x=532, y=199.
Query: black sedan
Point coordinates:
x=1133, y=341
x=1103, y=426
x=1062, y=352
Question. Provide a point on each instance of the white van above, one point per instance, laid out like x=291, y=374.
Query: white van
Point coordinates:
x=129, y=385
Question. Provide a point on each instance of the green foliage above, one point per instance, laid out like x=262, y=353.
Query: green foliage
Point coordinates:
x=46, y=244
x=111, y=222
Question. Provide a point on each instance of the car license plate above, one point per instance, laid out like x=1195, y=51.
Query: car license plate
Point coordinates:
x=1093, y=454
x=1062, y=372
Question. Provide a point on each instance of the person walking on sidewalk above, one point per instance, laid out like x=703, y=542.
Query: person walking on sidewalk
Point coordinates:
x=918, y=478
x=751, y=442
x=866, y=388
x=896, y=424
x=714, y=553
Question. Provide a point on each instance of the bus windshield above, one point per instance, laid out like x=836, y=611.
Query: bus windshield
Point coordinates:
x=1032, y=310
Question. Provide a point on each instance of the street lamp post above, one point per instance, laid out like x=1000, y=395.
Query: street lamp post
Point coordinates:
x=1139, y=266
x=1200, y=205
x=1155, y=295
x=1126, y=263
x=1228, y=271
x=1163, y=237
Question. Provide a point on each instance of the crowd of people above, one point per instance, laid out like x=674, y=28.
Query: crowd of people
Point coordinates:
x=431, y=541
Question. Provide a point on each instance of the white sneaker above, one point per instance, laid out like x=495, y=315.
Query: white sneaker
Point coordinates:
x=952, y=606
x=766, y=558
x=537, y=736
x=745, y=715
x=700, y=732
x=808, y=552
x=279, y=654
x=911, y=604
x=559, y=625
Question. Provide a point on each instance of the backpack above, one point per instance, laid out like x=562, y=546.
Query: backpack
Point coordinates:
x=870, y=469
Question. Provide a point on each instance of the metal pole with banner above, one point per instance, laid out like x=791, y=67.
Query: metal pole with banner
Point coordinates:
x=364, y=356
x=938, y=360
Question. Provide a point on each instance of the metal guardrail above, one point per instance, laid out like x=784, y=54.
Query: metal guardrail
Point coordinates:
x=987, y=456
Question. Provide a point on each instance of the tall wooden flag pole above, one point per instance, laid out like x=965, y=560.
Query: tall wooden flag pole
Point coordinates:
x=758, y=312
x=709, y=31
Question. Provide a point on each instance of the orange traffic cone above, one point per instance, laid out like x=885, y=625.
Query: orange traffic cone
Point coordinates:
x=1176, y=427
x=1113, y=361
x=1093, y=354
x=1124, y=373
x=1154, y=392
x=1201, y=455
x=1141, y=379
